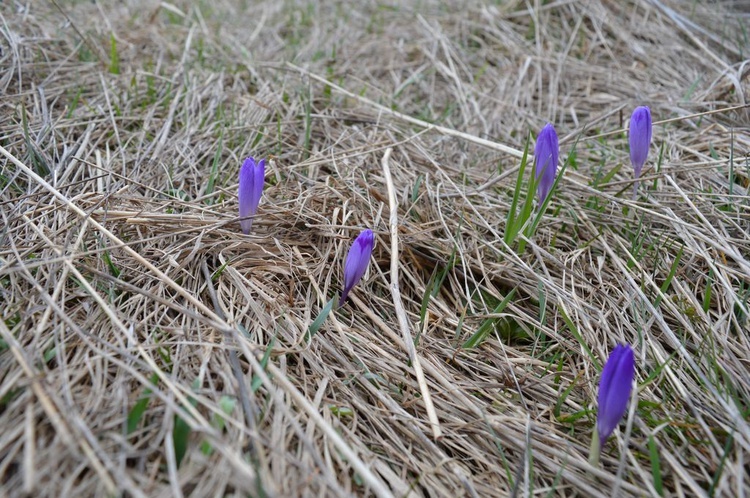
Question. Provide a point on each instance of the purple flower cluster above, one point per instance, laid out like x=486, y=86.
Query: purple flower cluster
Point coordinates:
x=251, y=181
x=619, y=371
x=547, y=151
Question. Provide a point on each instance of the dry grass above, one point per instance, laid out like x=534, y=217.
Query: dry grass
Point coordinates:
x=150, y=349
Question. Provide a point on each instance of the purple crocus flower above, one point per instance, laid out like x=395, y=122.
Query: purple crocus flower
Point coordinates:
x=357, y=261
x=252, y=176
x=640, y=138
x=614, y=390
x=546, y=154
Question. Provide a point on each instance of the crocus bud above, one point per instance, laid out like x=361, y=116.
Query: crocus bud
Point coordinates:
x=357, y=261
x=546, y=154
x=252, y=176
x=640, y=138
x=614, y=390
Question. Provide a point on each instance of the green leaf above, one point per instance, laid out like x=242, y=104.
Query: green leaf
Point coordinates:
x=226, y=405
x=112, y=268
x=215, y=167
x=655, y=465
x=114, y=58
x=181, y=431
x=180, y=437
x=341, y=411
x=707, y=293
x=433, y=286
x=561, y=399
x=219, y=271
x=512, y=223
x=139, y=409
x=727, y=448
x=257, y=381
x=321, y=318
x=668, y=281
x=487, y=326
x=577, y=334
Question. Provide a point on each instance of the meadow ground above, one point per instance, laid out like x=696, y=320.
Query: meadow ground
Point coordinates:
x=148, y=348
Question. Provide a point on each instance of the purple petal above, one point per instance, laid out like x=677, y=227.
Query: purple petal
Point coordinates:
x=546, y=155
x=357, y=261
x=259, y=176
x=252, y=177
x=614, y=390
x=639, y=136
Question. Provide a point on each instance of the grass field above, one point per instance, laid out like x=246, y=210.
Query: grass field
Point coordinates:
x=149, y=348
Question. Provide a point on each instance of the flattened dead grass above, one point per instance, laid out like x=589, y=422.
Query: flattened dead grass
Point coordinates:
x=148, y=348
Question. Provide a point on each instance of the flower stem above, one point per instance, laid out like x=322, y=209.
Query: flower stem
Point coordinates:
x=595, y=449
x=635, y=190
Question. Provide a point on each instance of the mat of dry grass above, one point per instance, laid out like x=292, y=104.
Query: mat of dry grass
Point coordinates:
x=149, y=348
